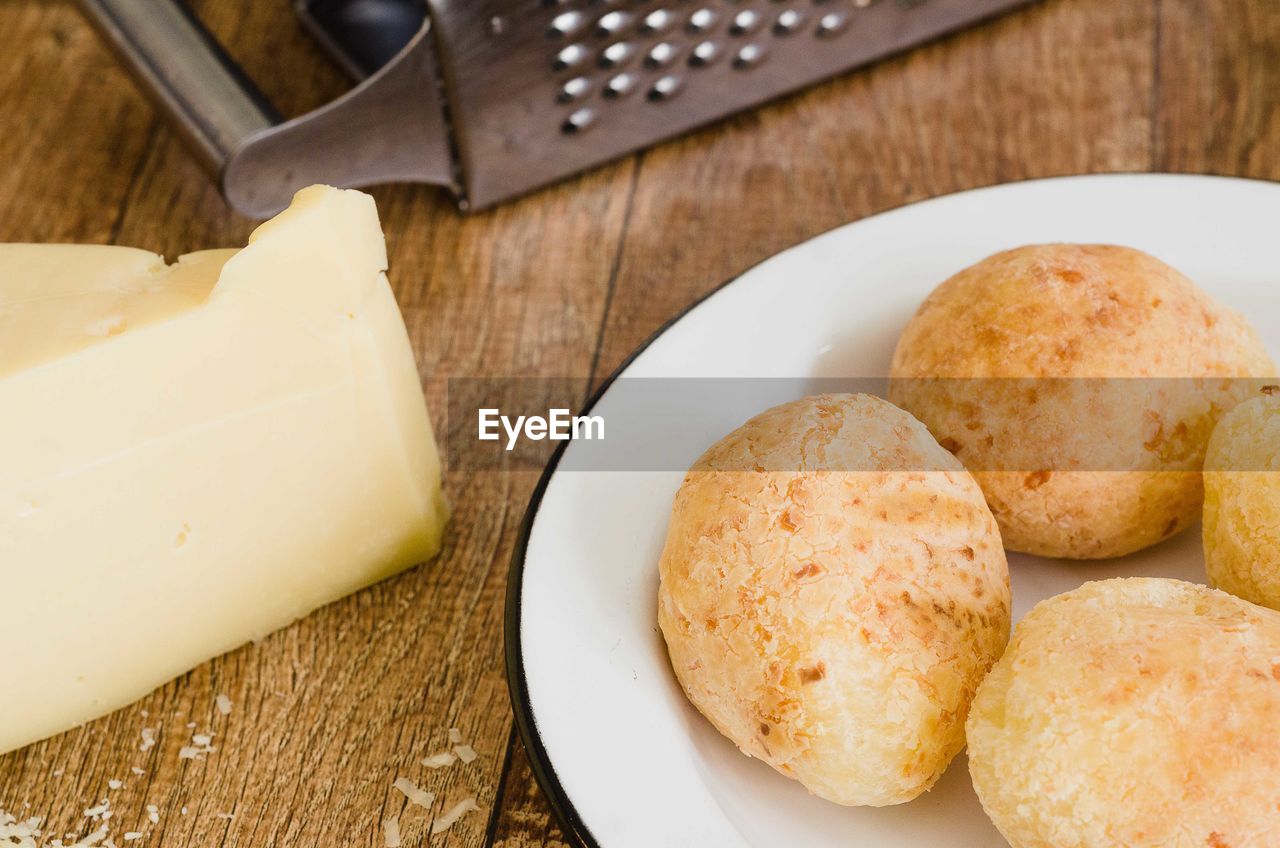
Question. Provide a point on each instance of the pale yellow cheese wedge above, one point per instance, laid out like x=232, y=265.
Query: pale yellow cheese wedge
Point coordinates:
x=55, y=299
x=186, y=464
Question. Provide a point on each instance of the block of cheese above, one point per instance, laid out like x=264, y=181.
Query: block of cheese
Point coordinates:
x=193, y=456
x=56, y=299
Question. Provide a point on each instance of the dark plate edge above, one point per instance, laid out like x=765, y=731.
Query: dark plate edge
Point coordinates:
x=539, y=761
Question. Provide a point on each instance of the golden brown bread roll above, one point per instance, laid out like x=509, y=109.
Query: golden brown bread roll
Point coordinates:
x=1075, y=466
x=1138, y=713
x=1242, y=502
x=833, y=611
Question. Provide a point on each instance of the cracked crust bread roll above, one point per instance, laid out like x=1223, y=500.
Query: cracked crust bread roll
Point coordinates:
x=1242, y=501
x=1137, y=713
x=1013, y=364
x=833, y=589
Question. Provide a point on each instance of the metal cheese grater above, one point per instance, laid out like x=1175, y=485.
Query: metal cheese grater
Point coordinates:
x=494, y=98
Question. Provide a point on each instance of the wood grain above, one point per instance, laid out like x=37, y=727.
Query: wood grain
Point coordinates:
x=327, y=713
x=1218, y=103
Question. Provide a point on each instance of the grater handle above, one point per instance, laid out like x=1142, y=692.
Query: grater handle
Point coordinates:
x=389, y=128
x=186, y=73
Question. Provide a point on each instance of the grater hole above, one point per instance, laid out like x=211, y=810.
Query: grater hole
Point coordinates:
x=661, y=54
x=612, y=23
x=665, y=88
x=620, y=86
x=788, y=22
x=579, y=121
x=659, y=20
x=565, y=24
x=701, y=20
x=744, y=23
x=570, y=57
x=749, y=56
x=573, y=90
x=832, y=23
x=704, y=54
x=615, y=54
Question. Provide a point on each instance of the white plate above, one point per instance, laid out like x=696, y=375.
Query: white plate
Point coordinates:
x=626, y=761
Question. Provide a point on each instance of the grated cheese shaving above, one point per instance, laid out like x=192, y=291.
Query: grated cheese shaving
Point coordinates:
x=421, y=797
x=458, y=810
x=455, y=736
x=201, y=745
x=153, y=814
x=391, y=832
x=465, y=753
x=23, y=834
x=18, y=834
x=93, y=840
x=148, y=739
x=115, y=784
x=223, y=703
x=132, y=835
x=139, y=772
x=436, y=761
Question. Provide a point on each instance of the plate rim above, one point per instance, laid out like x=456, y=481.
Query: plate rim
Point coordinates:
x=567, y=816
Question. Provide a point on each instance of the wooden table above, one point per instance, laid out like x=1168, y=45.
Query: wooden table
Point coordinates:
x=565, y=283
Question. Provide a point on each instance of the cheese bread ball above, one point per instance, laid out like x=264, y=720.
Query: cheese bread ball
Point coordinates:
x=1074, y=462
x=833, y=589
x=1242, y=502
x=1137, y=713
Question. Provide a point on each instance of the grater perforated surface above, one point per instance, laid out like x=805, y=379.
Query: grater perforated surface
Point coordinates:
x=605, y=50
x=539, y=89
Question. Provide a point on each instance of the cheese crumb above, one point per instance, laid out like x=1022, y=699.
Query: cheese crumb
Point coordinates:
x=455, y=736
x=93, y=840
x=153, y=814
x=139, y=772
x=227, y=816
x=115, y=784
x=132, y=835
x=458, y=810
x=436, y=761
x=98, y=811
x=465, y=753
x=223, y=703
x=19, y=834
x=421, y=797
x=148, y=739
x=201, y=745
x=391, y=832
